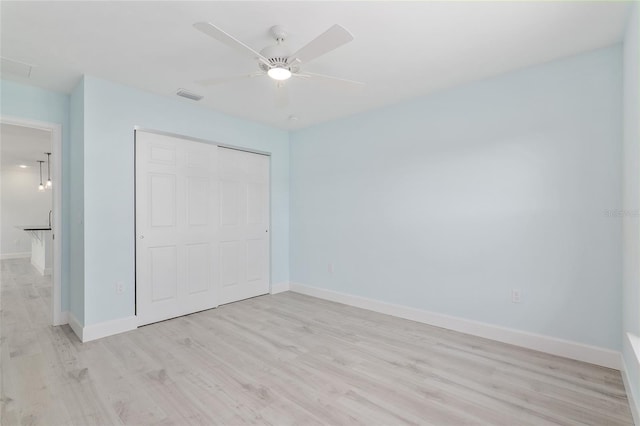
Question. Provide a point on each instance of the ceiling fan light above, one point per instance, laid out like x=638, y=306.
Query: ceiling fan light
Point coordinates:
x=279, y=73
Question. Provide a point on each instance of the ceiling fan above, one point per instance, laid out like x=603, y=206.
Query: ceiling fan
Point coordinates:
x=276, y=61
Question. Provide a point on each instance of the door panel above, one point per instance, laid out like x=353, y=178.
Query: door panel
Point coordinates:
x=229, y=263
x=198, y=272
x=164, y=272
x=244, y=224
x=229, y=203
x=160, y=154
x=176, y=227
x=162, y=193
x=197, y=205
x=256, y=204
x=198, y=159
x=256, y=256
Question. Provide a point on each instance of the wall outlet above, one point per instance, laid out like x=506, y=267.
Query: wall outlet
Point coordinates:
x=119, y=287
x=330, y=268
x=516, y=295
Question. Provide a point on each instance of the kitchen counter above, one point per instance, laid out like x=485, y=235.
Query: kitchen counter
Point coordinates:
x=34, y=228
x=41, y=246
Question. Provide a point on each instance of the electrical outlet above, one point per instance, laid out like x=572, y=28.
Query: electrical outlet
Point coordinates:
x=516, y=295
x=119, y=287
x=330, y=268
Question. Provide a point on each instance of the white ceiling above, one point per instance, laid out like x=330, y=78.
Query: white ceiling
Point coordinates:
x=23, y=145
x=401, y=49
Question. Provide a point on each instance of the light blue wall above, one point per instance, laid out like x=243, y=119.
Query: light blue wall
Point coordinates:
x=448, y=202
x=28, y=102
x=76, y=203
x=110, y=113
x=631, y=195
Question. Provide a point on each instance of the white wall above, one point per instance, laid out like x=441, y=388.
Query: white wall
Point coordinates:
x=22, y=204
x=448, y=202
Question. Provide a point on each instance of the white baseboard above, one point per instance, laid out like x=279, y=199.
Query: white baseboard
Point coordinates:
x=279, y=287
x=551, y=345
x=634, y=400
x=102, y=329
x=109, y=328
x=7, y=256
x=38, y=268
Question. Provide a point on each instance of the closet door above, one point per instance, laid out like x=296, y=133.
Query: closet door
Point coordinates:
x=243, y=224
x=176, y=227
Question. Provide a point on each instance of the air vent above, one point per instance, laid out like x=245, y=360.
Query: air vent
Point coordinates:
x=189, y=95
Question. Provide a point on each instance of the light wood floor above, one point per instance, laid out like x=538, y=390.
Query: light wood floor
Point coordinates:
x=284, y=359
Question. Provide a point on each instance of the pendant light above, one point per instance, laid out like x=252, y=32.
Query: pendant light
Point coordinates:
x=41, y=186
x=48, y=170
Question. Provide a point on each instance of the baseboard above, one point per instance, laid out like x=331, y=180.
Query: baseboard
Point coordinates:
x=279, y=287
x=631, y=397
x=7, y=256
x=102, y=329
x=551, y=345
x=38, y=268
x=633, y=342
x=61, y=319
x=75, y=325
x=109, y=328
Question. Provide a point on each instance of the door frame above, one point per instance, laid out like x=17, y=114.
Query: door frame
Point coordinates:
x=58, y=317
x=138, y=128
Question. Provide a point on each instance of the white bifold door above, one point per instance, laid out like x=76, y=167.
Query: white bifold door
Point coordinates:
x=202, y=223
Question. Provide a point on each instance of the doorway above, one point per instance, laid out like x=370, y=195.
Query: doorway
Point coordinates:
x=31, y=215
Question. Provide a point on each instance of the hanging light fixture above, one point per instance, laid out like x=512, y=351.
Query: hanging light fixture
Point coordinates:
x=41, y=186
x=48, y=169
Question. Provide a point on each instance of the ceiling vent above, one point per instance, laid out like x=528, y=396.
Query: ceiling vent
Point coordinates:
x=9, y=66
x=189, y=95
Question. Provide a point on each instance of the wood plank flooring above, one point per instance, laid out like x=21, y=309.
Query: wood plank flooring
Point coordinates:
x=283, y=359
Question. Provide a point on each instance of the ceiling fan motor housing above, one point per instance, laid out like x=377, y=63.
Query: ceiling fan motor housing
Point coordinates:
x=277, y=55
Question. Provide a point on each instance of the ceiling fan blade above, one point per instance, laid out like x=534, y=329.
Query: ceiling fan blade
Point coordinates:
x=282, y=95
x=223, y=37
x=221, y=80
x=331, y=39
x=330, y=79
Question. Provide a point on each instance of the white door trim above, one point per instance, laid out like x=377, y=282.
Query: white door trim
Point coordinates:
x=56, y=174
